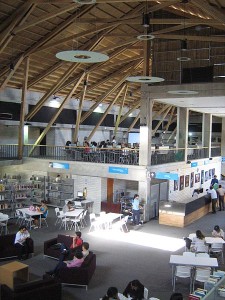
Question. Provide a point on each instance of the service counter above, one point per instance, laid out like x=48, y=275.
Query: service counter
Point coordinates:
x=178, y=214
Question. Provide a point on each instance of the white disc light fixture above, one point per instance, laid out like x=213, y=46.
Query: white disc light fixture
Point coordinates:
x=144, y=79
x=183, y=58
x=82, y=56
x=145, y=37
x=182, y=92
x=85, y=1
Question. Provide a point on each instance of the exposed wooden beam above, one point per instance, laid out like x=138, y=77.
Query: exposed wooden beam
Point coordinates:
x=130, y=111
x=106, y=112
x=219, y=39
x=210, y=10
x=45, y=17
x=172, y=134
x=162, y=119
x=120, y=110
x=22, y=110
x=158, y=113
x=53, y=119
x=134, y=122
x=170, y=119
x=79, y=112
x=109, y=92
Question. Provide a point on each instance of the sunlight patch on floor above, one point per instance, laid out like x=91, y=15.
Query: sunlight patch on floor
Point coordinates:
x=141, y=238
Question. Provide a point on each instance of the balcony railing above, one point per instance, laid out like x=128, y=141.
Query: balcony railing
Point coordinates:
x=125, y=156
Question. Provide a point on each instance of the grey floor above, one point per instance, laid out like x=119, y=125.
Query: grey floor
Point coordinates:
x=118, y=262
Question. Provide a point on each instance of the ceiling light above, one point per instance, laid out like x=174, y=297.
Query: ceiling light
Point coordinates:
x=145, y=37
x=183, y=45
x=11, y=67
x=144, y=79
x=82, y=56
x=182, y=92
x=145, y=19
x=85, y=1
x=183, y=58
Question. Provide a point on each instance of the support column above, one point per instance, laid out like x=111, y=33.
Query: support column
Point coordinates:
x=207, y=133
x=223, y=145
x=145, y=150
x=182, y=131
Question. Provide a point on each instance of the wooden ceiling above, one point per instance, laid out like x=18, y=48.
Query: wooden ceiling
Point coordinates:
x=33, y=31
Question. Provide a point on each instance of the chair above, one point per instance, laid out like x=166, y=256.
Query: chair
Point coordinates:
x=44, y=219
x=83, y=218
x=201, y=275
x=20, y=218
x=145, y=293
x=75, y=222
x=182, y=272
x=121, y=224
x=29, y=221
x=96, y=224
x=59, y=215
x=217, y=248
x=4, y=227
x=65, y=222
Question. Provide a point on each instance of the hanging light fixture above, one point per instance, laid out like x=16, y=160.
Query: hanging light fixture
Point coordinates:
x=145, y=79
x=183, y=42
x=82, y=56
x=145, y=19
x=85, y=1
x=146, y=24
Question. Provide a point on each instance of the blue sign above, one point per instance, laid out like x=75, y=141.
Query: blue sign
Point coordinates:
x=58, y=165
x=194, y=164
x=223, y=159
x=118, y=170
x=168, y=176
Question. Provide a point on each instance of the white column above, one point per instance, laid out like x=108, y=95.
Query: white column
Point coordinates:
x=207, y=133
x=182, y=129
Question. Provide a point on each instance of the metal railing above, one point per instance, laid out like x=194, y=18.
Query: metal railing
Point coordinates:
x=125, y=156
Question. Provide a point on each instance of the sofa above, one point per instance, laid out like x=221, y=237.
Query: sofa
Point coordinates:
x=51, y=251
x=7, y=248
x=36, y=290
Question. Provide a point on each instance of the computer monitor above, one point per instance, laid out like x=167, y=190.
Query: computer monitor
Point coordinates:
x=79, y=194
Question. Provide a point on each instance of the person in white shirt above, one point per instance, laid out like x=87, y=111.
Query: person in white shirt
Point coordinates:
x=68, y=207
x=220, y=192
x=213, y=194
x=136, y=210
x=85, y=249
x=22, y=242
x=218, y=232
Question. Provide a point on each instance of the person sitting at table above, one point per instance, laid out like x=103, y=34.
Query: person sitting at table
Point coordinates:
x=68, y=207
x=198, y=241
x=75, y=262
x=44, y=209
x=135, y=289
x=23, y=242
x=112, y=293
x=218, y=232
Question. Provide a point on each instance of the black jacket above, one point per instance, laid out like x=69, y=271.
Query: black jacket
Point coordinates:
x=135, y=294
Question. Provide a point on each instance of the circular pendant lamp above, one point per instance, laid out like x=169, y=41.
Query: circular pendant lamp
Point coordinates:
x=144, y=79
x=145, y=37
x=82, y=56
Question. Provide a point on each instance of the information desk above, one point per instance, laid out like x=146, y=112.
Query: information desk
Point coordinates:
x=182, y=214
x=12, y=272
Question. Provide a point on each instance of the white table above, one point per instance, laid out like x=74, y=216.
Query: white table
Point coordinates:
x=4, y=220
x=108, y=218
x=212, y=240
x=31, y=213
x=73, y=214
x=192, y=261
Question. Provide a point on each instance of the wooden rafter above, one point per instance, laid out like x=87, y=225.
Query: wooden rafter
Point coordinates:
x=162, y=119
x=110, y=91
x=134, y=122
x=106, y=112
x=53, y=119
x=130, y=111
x=170, y=119
x=79, y=112
x=120, y=110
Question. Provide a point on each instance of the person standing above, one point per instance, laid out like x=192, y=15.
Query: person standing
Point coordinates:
x=220, y=192
x=213, y=195
x=214, y=180
x=136, y=210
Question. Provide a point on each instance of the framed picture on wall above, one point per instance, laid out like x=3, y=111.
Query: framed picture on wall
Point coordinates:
x=210, y=173
x=192, y=179
x=175, y=185
x=213, y=172
x=206, y=175
x=197, y=177
x=187, y=180
x=181, y=182
x=202, y=176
